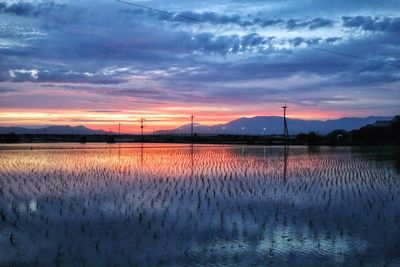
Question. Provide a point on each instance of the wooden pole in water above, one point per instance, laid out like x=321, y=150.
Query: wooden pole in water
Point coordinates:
x=285, y=128
x=191, y=128
x=141, y=127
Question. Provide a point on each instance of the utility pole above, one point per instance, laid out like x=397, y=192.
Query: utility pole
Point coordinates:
x=119, y=128
x=141, y=127
x=191, y=128
x=285, y=128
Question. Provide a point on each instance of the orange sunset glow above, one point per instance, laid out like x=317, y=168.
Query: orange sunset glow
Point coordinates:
x=122, y=65
x=171, y=118
x=200, y=133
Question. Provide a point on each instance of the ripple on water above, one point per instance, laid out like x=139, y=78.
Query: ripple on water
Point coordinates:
x=208, y=205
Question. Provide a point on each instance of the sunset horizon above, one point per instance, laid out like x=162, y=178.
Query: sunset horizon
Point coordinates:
x=115, y=61
x=200, y=133
x=129, y=123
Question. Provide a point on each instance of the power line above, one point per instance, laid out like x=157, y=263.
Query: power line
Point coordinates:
x=158, y=10
x=350, y=55
x=337, y=53
x=313, y=47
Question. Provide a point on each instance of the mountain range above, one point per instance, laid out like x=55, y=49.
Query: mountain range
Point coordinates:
x=260, y=125
x=267, y=125
x=62, y=129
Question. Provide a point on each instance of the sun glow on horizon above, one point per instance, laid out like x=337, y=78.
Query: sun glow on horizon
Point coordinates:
x=171, y=118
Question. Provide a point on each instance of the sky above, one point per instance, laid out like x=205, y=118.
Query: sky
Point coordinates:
x=100, y=63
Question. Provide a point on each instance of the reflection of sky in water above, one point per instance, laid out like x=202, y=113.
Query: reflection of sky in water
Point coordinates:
x=207, y=205
x=25, y=207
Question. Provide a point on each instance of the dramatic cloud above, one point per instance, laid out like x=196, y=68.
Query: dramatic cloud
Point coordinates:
x=30, y=9
x=369, y=23
x=311, y=24
x=213, y=18
x=228, y=59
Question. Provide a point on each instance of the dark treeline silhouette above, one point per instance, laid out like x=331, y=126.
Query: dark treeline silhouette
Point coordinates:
x=381, y=132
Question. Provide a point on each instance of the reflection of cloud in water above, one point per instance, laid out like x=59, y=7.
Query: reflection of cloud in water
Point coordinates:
x=282, y=242
x=287, y=241
x=207, y=205
x=23, y=207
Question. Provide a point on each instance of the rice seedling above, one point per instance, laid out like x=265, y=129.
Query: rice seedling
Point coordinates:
x=198, y=205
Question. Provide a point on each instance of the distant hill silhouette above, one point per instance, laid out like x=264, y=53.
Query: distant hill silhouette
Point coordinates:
x=248, y=126
x=274, y=125
x=379, y=132
x=63, y=129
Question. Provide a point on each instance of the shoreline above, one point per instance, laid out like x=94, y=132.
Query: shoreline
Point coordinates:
x=116, y=145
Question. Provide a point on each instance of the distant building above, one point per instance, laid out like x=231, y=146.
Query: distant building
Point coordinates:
x=338, y=135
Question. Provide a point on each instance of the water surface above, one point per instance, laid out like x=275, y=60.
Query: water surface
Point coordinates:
x=177, y=205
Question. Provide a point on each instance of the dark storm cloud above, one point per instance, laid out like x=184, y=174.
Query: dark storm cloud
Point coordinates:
x=212, y=18
x=328, y=7
x=334, y=70
x=30, y=9
x=368, y=23
x=297, y=41
x=332, y=40
x=255, y=40
x=191, y=17
x=293, y=24
x=90, y=47
x=267, y=22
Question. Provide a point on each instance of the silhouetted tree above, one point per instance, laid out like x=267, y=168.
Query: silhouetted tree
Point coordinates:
x=313, y=138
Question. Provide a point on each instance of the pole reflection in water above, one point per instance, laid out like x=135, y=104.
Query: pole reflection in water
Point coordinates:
x=141, y=154
x=226, y=205
x=191, y=160
x=285, y=161
x=119, y=150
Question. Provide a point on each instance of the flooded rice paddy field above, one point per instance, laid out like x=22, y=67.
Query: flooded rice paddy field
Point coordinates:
x=177, y=205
